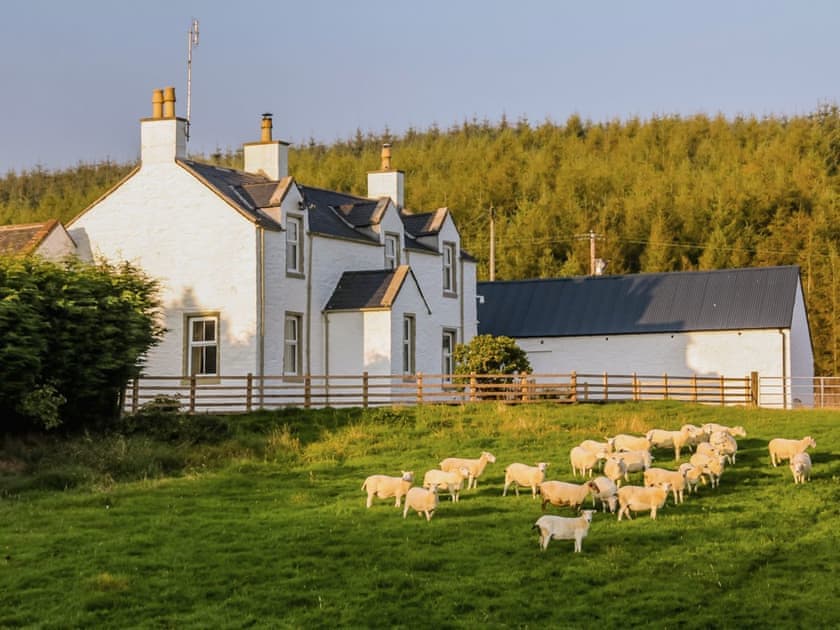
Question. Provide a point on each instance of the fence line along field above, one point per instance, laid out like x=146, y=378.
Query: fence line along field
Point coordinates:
x=261, y=520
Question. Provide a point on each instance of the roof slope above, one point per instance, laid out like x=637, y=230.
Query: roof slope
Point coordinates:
x=369, y=289
x=730, y=299
x=24, y=239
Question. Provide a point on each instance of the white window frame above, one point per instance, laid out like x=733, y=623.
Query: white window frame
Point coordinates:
x=409, y=344
x=448, y=353
x=293, y=344
x=450, y=284
x=294, y=245
x=198, y=349
x=392, y=258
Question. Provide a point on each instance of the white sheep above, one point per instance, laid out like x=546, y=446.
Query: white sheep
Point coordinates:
x=584, y=461
x=711, y=465
x=634, y=461
x=423, y=500
x=782, y=449
x=562, y=493
x=800, y=466
x=563, y=528
x=384, y=487
x=674, y=478
x=624, y=442
x=725, y=444
x=711, y=427
x=615, y=469
x=450, y=481
x=475, y=466
x=693, y=475
x=660, y=438
x=697, y=435
x=606, y=491
x=524, y=475
x=638, y=499
x=597, y=447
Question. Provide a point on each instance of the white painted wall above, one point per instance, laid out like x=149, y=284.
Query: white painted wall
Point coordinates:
x=56, y=245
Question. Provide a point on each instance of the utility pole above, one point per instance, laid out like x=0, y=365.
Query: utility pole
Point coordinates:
x=596, y=265
x=192, y=40
x=492, y=243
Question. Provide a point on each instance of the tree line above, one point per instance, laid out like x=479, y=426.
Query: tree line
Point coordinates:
x=666, y=193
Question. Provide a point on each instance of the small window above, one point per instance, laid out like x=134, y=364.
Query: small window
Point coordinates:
x=292, y=363
x=392, y=251
x=203, y=346
x=449, y=267
x=408, y=344
x=294, y=245
x=448, y=353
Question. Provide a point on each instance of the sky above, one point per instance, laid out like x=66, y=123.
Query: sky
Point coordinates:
x=76, y=77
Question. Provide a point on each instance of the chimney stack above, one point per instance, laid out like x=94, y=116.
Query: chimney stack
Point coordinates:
x=163, y=136
x=157, y=104
x=169, y=102
x=266, y=128
x=267, y=157
x=385, y=156
x=387, y=182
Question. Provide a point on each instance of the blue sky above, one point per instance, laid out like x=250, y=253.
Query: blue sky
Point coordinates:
x=77, y=76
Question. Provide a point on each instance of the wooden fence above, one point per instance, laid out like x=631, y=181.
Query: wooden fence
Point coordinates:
x=247, y=393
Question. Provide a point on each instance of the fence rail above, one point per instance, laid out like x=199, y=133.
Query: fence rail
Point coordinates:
x=249, y=392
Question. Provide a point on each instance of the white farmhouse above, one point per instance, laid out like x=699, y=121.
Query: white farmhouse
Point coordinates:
x=262, y=275
x=729, y=323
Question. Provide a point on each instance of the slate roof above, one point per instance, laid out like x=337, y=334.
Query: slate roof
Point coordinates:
x=24, y=239
x=729, y=299
x=370, y=289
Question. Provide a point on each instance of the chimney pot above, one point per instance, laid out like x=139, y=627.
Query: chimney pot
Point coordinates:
x=266, y=128
x=386, y=157
x=169, y=102
x=157, y=103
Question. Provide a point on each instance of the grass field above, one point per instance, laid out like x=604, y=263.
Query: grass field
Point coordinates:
x=265, y=526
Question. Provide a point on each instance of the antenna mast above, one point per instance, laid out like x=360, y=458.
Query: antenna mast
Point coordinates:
x=192, y=40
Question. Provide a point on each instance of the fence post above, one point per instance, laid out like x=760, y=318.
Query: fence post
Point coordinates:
x=135, y=394
x=307, y=391
x=419, y=388
x=523, y=387
x=606, y=388
x=665, y=385
x=573, y=385
x=249, y=391
x=365, y=385
x=722, y=391
x=754, y=389
x=694, y=387
x=636, y=394
x=473, y=387
x=193, y=381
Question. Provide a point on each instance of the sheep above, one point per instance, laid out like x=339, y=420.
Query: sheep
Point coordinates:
x=782, y=449
x=615, y=469
x=583, y=460
x=800, y=466
x=634, y=461
x=423, y=500
x=475, y=466
x=624, y=442
x=661, y=476
x=712, y=427
x=711, y=465
x=385, y=487
x=693, y=475
x=640, y=499
x=605, y=490
x=709, y=450
x=524, y=475
x=597, y=447
x=562, y=493
x=451, y=481
x=725, y=444
x=698, y=435
x=563, y=528
x=660, y=438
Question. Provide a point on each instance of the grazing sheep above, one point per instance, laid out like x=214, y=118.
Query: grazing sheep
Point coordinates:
x=524, y=475
x=693, y=475
x=563, y=528
x=800, y=466
x=711, y=465
x=660, y=438
x=782, y=449
x=385, y=487
x=725, y=444
x=562, y=493
x=597, y=447
x=634, y=461
x=624, y=442
x=698, y=435
x=712, y=427
x=451, y=481
x=615, y=469
x=638, y=499
x=423, y=500
x=583, y=460
x=661, y=476
x=709, y=450
x=605, y=490
x=475, y=466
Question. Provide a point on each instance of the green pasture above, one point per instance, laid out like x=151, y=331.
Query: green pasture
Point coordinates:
x=260, y=521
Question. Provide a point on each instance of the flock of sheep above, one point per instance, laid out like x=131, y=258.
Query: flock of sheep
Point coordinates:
x=714, y=446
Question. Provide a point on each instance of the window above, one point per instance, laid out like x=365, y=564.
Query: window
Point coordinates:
x=408, y=344
x=448, y=353
x=294, y=245
x=292, y=363
x=392, y=251
x=449, y=268
x=203, y=346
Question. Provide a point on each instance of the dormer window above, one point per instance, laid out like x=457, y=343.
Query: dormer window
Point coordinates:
x=449, y=268
x=392, y=251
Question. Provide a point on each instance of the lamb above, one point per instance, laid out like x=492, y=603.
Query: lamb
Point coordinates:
x=712, y=427
x=583, y=460
x=661, y=476
x=385, y=487
x=563, y=528
x=782, y=449
x=660, y=438
x=640, y=499
x=725, y=444
x=624, y=442
x=423, y=500
x=524, y=475
x=605, y=490
x=615, y=469
x=451, y=481
x=711, y=465
x=634, y=461
x=475, y=466
x=562, y=493
x=693, y=475
x=800, y=466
